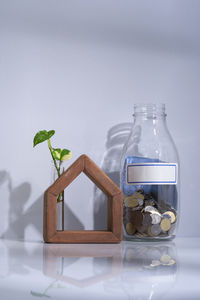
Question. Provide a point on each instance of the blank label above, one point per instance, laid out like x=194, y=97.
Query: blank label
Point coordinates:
x=151, y=173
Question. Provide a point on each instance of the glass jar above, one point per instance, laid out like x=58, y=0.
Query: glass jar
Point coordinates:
x=149, y=177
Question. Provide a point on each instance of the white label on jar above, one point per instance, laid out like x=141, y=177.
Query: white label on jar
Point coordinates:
x=151, y=173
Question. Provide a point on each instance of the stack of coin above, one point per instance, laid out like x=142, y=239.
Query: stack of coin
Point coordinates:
x=145, y=217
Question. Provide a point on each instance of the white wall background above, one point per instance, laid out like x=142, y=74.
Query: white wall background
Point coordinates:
x=78, y=67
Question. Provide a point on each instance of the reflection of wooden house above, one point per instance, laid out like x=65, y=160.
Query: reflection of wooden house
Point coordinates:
x=113, y=234
x=52, y=254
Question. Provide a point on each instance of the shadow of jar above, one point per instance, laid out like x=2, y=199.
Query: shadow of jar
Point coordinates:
x=116, y=138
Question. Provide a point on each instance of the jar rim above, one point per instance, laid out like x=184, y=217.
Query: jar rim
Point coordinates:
x=149, y=108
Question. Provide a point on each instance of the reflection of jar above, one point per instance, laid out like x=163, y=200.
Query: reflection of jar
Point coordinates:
x=149, y=176
x=153, y=265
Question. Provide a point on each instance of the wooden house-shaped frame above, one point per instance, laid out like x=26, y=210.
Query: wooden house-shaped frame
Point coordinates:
x=113, y=234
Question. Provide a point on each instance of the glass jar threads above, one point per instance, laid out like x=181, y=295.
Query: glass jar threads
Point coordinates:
x=149, y=177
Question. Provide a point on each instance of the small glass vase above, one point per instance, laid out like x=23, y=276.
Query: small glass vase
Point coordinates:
x=60, y=201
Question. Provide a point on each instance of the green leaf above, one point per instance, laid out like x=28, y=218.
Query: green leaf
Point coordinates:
x=57, y=153
x=42, y=136
x=65, y=154
x=39, y=294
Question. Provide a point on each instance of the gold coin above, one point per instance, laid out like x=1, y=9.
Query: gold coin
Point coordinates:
x=171, y=214
x=165, y=224
x=131, y=202
x=138, y=196
x=130, y=228
x=141, y=234
x=165, y=258
x=171, y=262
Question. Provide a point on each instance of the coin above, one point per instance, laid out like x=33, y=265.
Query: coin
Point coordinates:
x=155, y=218
x=146, y=219
x=150, y=202
x=165, y=224
x=140, y=201
x=171, y=214
x=142, y=228
x=155, y=263
x=144, y=210
x=130, y=228
x=140, y=191
x=129, y=214
x=171, y=262
x=141, y=234
x=136, y=218
x=165, y=258
x=136, y=208
x=154, y=230
x=138, y=196
x=149, y=208
x=167, y=217
x=149, y=231
x=131, y=202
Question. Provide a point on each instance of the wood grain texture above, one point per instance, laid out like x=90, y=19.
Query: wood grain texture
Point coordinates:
x=114, y=207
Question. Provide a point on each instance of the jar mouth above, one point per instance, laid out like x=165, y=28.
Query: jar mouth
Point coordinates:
x=149, y=109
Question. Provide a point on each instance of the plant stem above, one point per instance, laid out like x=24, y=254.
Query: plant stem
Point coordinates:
x=54, y=161
x=55, y=164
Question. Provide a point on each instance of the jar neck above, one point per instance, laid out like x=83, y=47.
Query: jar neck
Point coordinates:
x=151, y=113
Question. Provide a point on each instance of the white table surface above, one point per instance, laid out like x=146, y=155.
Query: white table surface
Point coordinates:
x=30, y=270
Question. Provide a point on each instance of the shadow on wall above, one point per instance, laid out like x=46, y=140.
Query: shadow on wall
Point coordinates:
x=19, y=218
x=116, y=137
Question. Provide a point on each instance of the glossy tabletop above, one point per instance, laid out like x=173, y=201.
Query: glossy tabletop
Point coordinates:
x=161, y=270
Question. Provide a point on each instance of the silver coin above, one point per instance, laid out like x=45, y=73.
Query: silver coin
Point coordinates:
x=156, y=229
x=149, y=208
x=155, y=263
x=156, y=218
x=140, y=201
x=136, y=208
x=146, y=219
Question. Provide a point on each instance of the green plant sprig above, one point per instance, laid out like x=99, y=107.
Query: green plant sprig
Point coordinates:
x=58, y=155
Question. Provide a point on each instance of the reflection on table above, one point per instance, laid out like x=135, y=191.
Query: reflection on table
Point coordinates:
x=106, y=262
x=125, y=268
x=125, y=271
